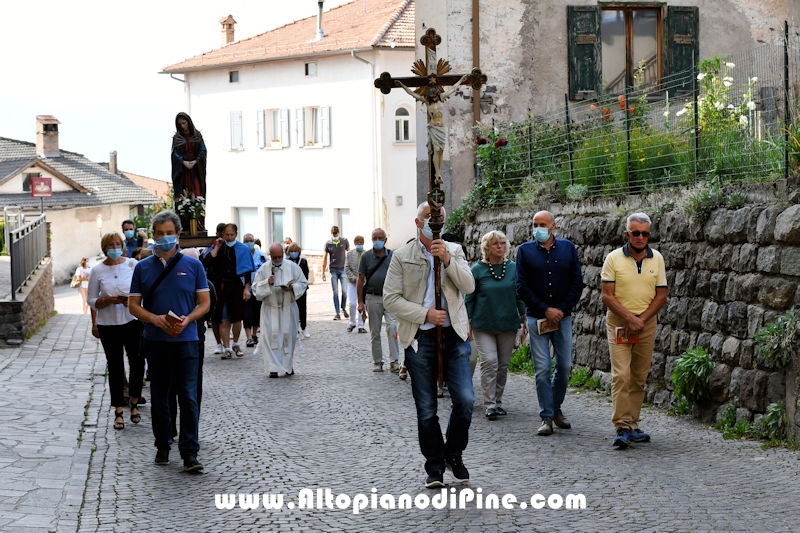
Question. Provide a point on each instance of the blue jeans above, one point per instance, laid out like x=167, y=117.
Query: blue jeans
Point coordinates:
x=423, y=368
x=175, y=364
x=337, y=276
x=551, y=392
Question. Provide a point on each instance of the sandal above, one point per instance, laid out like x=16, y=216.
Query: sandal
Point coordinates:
x=135, y=417
x=119, y=421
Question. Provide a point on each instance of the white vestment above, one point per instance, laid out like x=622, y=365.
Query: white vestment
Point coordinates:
x=279, y=315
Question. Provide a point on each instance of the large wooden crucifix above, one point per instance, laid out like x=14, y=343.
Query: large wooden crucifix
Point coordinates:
x=432, y=76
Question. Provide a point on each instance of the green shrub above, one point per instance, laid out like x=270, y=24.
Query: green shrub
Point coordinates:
x=776, y=341
x=521, y=361
x=772, y=426
x=690, y=376
x=700, y=204
x=583, y=378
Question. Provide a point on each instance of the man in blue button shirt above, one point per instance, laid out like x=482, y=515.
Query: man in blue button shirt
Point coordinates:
x=172, y=343
x=549, y=281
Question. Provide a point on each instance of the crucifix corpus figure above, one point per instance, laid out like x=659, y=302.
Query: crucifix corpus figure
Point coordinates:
x=431, y=77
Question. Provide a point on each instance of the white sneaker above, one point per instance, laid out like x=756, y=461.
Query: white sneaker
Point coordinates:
x=306, y=334
x=219, y=349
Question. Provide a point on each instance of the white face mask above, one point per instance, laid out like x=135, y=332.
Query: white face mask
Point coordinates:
x=426, y=229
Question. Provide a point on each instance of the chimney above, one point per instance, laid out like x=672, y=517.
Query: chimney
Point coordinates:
x=47, y=136
x=227, y=29
x=320, y=33
x=112, y=162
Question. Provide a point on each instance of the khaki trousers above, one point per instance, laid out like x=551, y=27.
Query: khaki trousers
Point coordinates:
x=630, y=364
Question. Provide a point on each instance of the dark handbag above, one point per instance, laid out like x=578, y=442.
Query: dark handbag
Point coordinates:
x=370, y=273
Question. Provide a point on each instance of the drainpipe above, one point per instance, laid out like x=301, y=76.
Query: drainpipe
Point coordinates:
x=377, y=189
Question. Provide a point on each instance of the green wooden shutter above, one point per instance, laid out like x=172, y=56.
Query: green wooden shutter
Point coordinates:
x=683, y=47
x=585, y=65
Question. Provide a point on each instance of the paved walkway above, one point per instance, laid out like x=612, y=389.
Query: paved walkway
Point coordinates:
x=337, y=425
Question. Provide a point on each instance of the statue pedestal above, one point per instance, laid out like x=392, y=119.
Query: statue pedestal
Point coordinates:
x=201, y=240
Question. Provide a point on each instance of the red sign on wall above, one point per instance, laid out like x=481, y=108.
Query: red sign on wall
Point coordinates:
x=41, y=187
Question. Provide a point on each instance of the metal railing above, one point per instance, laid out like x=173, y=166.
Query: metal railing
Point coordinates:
x=27, y=247
x=733, y=118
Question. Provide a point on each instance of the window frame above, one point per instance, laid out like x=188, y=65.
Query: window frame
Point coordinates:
x=403, y=123
x=236, y=133
x=678, y=44
x=272, y=126
x=313, y=126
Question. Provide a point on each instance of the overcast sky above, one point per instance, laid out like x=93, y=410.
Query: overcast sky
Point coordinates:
x=95, y=66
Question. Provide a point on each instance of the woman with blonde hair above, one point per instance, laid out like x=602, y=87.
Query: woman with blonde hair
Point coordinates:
x=115, y=326
x=495, y=315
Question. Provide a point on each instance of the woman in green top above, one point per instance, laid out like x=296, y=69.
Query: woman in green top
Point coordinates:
x=495, y=315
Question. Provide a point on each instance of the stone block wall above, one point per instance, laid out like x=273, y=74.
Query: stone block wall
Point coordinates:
x=33, y=306
x=727, y=278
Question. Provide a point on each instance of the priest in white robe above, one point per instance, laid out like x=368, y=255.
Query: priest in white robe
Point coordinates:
x=278, y=284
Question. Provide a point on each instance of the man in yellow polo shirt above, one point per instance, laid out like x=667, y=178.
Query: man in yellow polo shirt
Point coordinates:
x=634, y=289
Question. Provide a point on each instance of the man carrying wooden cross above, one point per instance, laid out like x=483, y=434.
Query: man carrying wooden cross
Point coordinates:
x=433, y=330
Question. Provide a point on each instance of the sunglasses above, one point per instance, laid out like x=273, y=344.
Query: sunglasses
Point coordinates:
x=637, y=233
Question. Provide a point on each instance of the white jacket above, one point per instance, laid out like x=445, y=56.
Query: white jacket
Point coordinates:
x=407, y=281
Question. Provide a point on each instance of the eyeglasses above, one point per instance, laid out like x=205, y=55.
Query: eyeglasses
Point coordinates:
x=636, y=233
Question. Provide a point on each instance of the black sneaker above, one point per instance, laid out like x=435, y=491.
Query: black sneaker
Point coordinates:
x=142, y=401
x=435, y=480
x=637, y=435
x=162, y=456
x=456, y=466
x=191, y=464
x=491, y=413
x=622, y=440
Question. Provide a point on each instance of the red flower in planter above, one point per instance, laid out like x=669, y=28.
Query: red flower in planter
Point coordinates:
x=483, y=140
x=500, y=142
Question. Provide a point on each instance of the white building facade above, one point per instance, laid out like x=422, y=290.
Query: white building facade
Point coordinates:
x=300, y=140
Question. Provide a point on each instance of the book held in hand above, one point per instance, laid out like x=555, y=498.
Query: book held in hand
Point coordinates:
x=622, y=339
x=545, y=326
x=173, y=319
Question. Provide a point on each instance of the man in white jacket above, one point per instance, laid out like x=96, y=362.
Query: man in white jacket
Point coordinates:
x=408, y=293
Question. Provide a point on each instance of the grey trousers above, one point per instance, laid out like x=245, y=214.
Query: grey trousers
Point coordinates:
x=375, y=314
x=496, y=348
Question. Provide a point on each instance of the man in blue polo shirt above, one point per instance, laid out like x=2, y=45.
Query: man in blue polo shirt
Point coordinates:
x=172, y=343
x=549, y=281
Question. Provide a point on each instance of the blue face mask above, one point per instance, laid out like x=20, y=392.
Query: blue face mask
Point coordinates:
x=294, y=255
x=114, y=253
x=359, y=247
x=166, y=243
x=128, y=234
x=426, y=229
x=541, y=234
x=230, y=244
x=277, y=263
x=378, y=245
x=251, y=245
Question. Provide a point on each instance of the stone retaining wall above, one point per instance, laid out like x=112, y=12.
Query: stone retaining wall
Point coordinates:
x=727, y=278
x=32, y=307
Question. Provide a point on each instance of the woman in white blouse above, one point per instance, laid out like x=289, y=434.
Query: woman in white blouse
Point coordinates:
x=117, y=329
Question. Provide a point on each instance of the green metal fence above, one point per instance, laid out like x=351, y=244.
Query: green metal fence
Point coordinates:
x=739, y=122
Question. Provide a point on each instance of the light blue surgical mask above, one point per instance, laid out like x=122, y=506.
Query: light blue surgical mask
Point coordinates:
x=378, y=245
x=128, y=233
x=426, y=229
x=166, y=243
x=294, y=255
x=230, y=244
x=359, y=247
x=114, y=253
x=277, y=263
x=251, y=245
x=541, y=234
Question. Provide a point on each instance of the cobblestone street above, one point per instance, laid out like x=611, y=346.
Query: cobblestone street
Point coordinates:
x=337, y=425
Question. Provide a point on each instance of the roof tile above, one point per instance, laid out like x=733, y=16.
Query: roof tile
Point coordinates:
x=357, y=25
